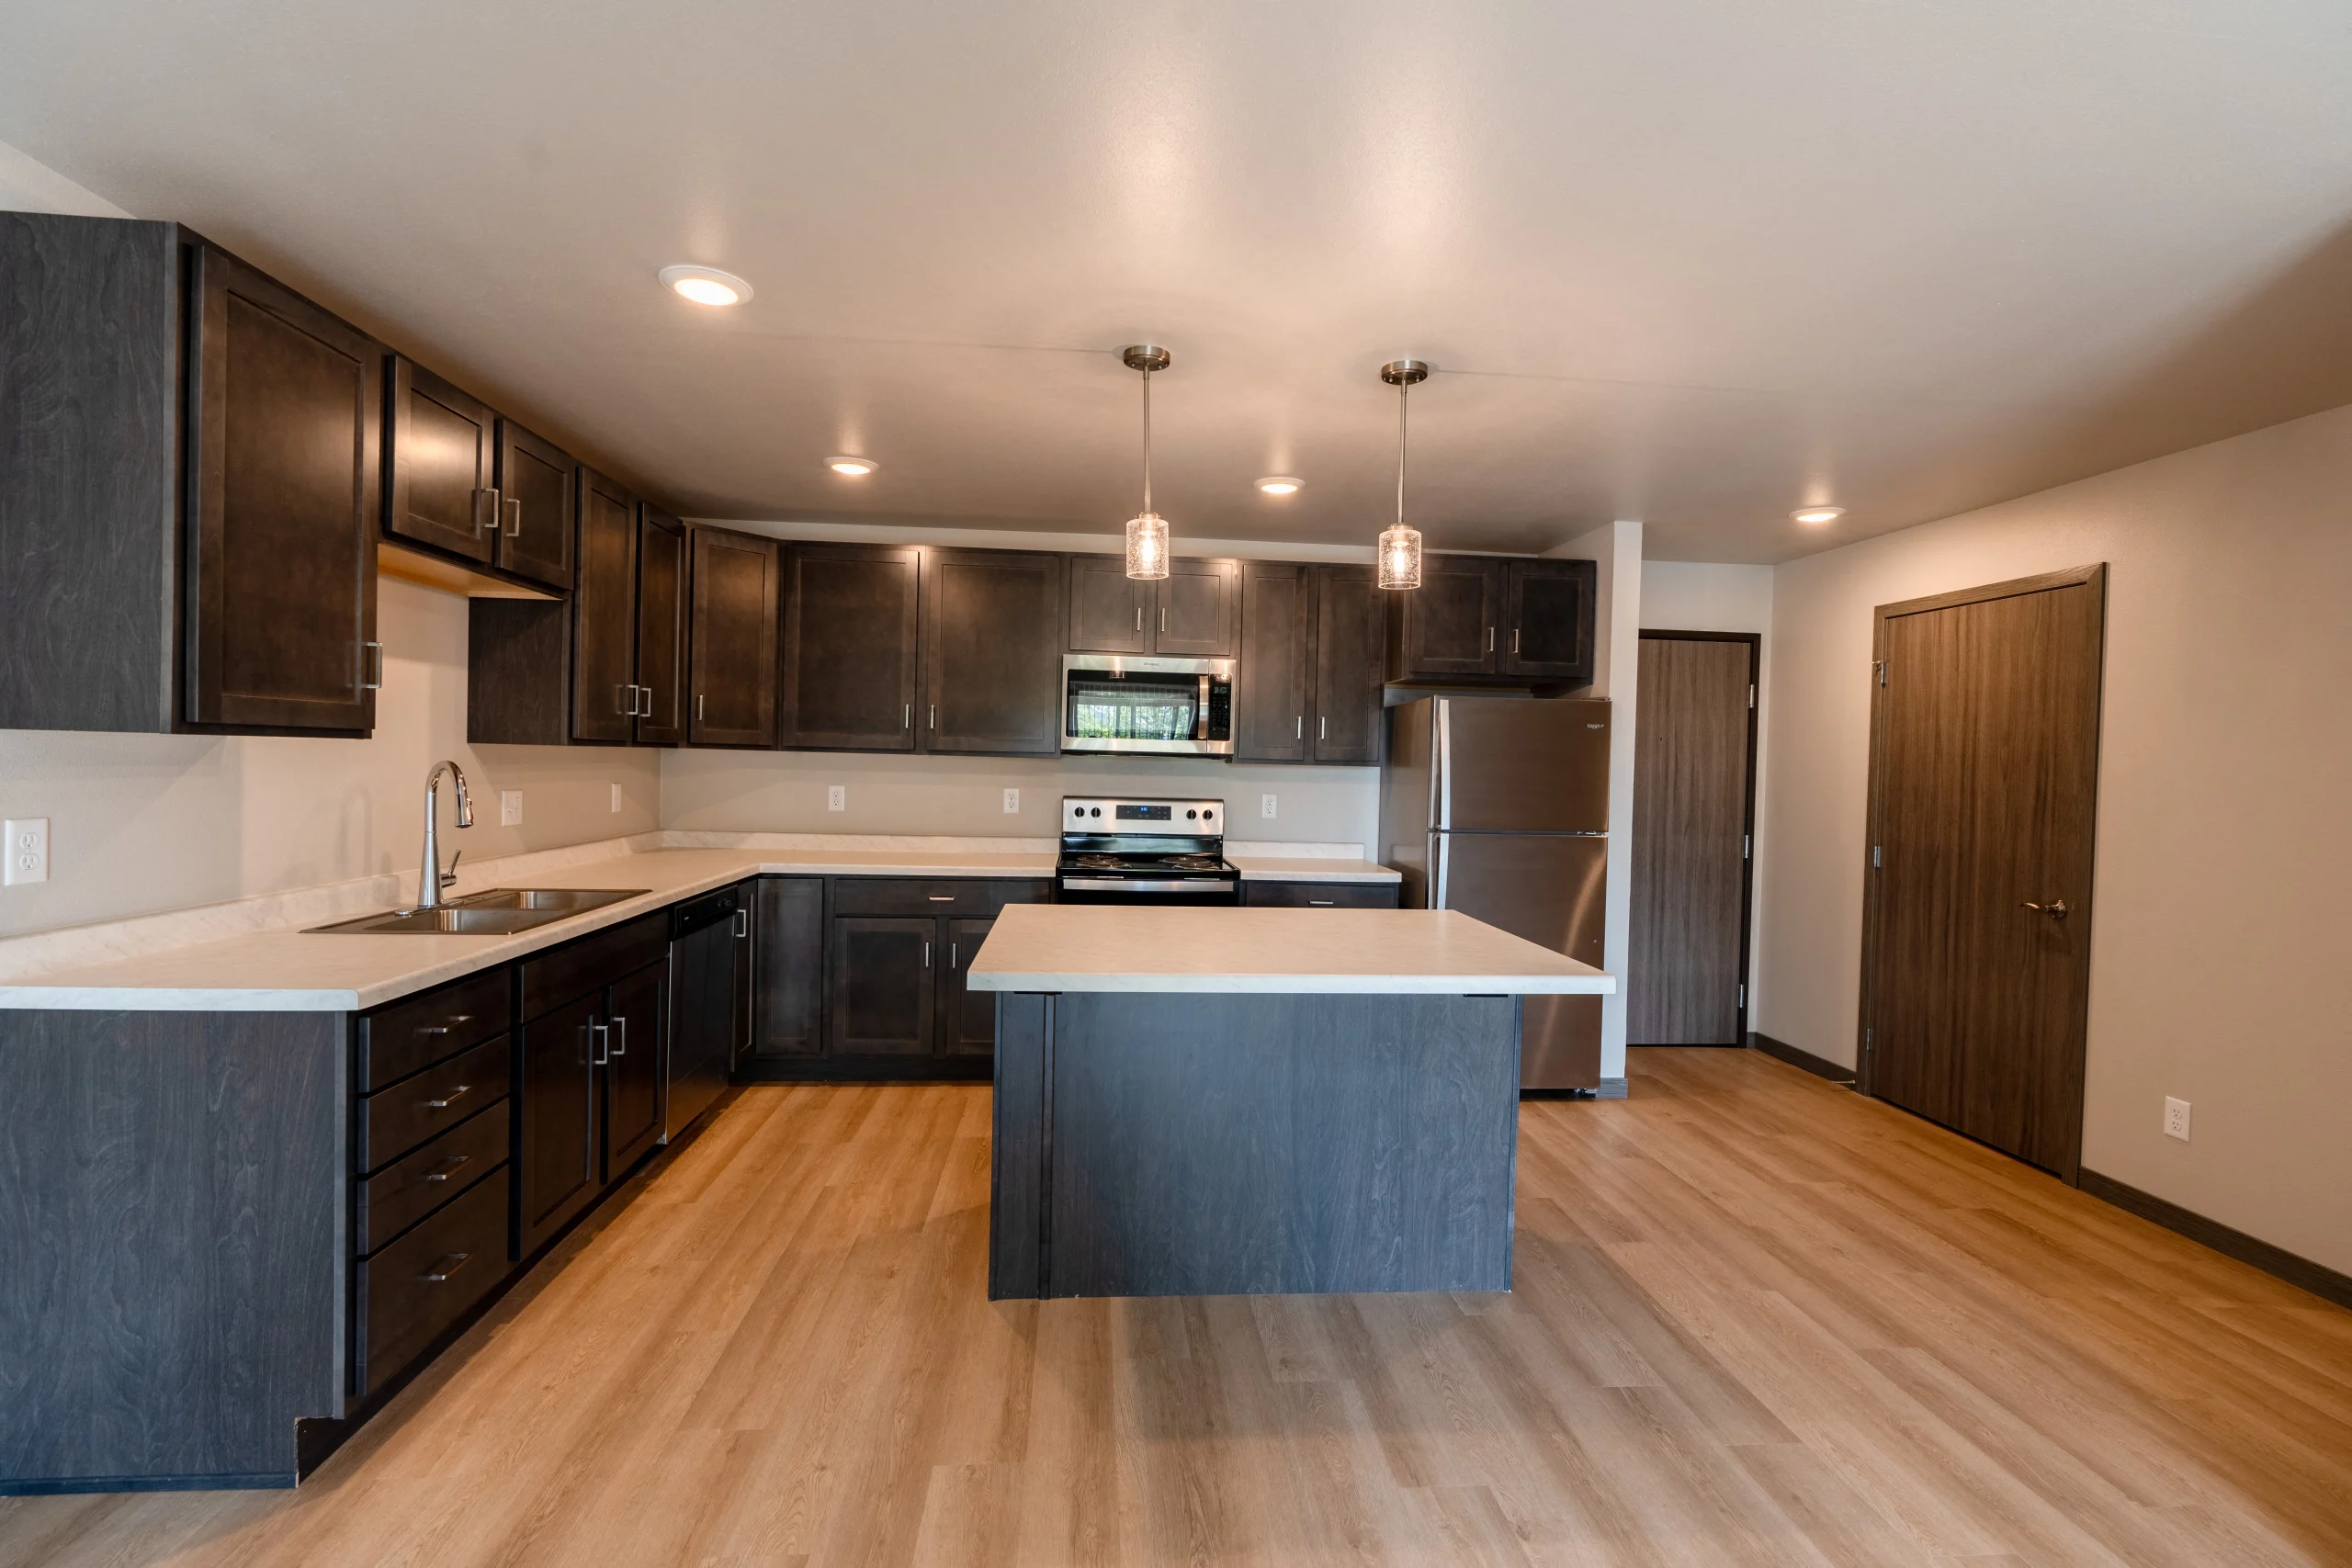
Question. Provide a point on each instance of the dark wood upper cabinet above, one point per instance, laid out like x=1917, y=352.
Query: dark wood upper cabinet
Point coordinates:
x=535, y=501
x=1109, y=611
x=287, y=483
x=1548, y=606
x=604, y=697
x=661, y=627
x=1449, y=624
x=851, y=637
x=442, y=463
x=1270, y=699
x=1192, y=612
x=731, y=661
x=993, y=657
x=1351, y=626
x=1199, y=610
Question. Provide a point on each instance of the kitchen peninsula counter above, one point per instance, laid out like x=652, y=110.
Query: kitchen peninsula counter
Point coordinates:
x=1232, y=1101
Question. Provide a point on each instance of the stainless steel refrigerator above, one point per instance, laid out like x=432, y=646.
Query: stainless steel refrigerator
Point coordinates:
x=1498, y=806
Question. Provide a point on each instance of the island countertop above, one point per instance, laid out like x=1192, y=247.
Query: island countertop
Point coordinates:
x=1076, y=947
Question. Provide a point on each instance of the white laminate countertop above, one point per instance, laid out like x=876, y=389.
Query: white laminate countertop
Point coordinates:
x=1074, y=947
x=288, y=969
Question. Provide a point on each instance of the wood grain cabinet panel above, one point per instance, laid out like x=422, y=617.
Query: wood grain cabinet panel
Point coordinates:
x=1448, y=624
x=1199, y=610
x=1350, y=622
x=992, y=652
x=556, y=1089
x=603, y=614
x=538, y=504
x=1109, y=611
x=1271, y=690
x=788, y=925
x=442, y=463
x=731, y=661
x=966, y=1018
x=880, y=985
x=635, y=1022
x=661, y=612
x=1548, y=609
x=852, y=630
x=287, y=483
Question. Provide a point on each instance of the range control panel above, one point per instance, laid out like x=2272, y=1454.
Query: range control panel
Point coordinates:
x=1093, y=814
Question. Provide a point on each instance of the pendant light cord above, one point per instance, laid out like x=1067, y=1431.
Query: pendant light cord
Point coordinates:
x=1147, y=442
x=1404, y=390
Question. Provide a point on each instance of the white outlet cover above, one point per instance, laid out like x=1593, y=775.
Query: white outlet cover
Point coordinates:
x=27, y=844
x=1265, y=805
x=837, y=797
x=510, y=807
x=2176, y=1119
x=1012, y=803
x=616, y=798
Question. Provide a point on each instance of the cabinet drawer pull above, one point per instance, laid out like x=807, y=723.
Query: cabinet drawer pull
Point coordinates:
x=941, y=897
x=449, y=1168
x=1321, y=903
x=444, y=1270
x=450, y=1099
x=455, y=1018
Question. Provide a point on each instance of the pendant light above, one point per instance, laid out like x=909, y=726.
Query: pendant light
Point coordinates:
x=1148, y=530
x=1400, y=547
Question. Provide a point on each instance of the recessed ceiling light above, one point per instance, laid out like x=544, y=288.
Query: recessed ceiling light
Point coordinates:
x=852, y=468
x=1279, y=484
x=1817, y=514
x=706, y=285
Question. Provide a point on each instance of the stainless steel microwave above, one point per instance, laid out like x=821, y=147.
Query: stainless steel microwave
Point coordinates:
x=1112, y=702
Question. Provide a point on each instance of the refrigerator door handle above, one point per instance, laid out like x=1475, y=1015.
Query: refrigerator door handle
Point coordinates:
x=1442, y=768
x=1436, y=862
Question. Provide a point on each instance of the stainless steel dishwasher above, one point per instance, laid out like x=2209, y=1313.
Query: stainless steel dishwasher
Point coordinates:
x=704, y=951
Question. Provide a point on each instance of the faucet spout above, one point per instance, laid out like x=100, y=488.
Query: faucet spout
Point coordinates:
x=430, y=878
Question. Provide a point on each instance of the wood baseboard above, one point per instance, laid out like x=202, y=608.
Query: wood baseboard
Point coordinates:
x=2297, y=1270
x=1781, y=1051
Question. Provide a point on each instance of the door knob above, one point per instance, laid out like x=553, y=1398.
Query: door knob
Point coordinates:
x=2055, y=908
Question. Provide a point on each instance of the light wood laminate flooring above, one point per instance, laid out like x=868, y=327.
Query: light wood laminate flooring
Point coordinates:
x=1758, y=1321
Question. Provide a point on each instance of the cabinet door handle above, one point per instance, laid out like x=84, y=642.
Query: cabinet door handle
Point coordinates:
x=1323, y=727
x=697, y=707
x=951, y=953
x=1298, y=730
x=371, y=666
x=624, y=699
x=620, y=1048
x=512, y=505
x=907, y=717
x=486, y=511
x=926, y=956
x=1491, y=639
x=1321, y=903
x=450, y=1099
x=449, y=1168
x=444, y=1270
x=1163, y=620
x=1138, y=617
x=1514, y=642
x=941, y=897
x=598, y=1038
x=743, y=922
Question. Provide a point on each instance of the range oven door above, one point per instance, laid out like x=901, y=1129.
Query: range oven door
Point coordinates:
x=1178, y=706
x=1076, y=887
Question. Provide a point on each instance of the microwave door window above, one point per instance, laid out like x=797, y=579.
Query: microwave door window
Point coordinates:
x=1132, y=710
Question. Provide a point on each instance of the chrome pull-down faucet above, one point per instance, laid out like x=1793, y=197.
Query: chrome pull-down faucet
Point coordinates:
x=430, y=878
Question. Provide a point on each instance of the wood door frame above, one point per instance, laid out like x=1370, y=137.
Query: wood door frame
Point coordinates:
x=2094, y=577
x=1755, y=641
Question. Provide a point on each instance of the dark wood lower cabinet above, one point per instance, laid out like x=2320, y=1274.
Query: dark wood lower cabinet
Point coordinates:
x=557, y=1172
x=880, y=985
x=787, y=967
x=966, y=1018
x=1320, y=895
x=636, y=1017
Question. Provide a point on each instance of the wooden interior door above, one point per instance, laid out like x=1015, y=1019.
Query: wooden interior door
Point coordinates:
x=1977, y=918
x=1694, y=778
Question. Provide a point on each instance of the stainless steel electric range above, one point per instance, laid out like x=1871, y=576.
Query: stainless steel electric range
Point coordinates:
x=1144, y=851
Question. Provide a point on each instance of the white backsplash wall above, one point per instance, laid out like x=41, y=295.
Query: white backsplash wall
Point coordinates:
x=141, y=823
x=783, y=792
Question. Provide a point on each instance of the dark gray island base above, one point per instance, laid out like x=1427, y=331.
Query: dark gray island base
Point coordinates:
x=1218, y=1143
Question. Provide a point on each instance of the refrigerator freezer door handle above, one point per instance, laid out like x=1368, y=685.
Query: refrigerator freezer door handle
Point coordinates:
x=1436, y=862
x=1442, y=767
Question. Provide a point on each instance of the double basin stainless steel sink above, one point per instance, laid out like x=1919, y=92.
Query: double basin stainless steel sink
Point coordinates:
x=501, y=912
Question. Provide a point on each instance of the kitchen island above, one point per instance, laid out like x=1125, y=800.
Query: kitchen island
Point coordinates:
x=1196, y=1101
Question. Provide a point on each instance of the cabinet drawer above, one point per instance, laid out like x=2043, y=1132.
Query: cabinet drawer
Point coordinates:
x=909, y=896
x=394, y=1121
x=424, y=1281
x=1320, y=895
x=570, y=973
x=419, y=1031
x=413, y=1186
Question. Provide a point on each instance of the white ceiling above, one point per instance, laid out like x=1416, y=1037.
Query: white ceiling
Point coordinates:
x=1692, y=261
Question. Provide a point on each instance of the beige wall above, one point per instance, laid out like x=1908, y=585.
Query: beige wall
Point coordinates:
x=141, y=823
x=2223, y=889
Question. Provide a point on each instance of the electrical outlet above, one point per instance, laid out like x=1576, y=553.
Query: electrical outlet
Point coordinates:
x=27, y=842
x=616, y=798
x=837, y=797
x=1012, y=803
x=510, y=808
x=2176, y=1119
x=1265, y=805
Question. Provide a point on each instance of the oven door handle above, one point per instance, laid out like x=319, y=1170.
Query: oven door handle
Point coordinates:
x=1131, y=885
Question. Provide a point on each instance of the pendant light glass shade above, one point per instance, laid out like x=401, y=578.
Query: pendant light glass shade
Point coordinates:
x=1400, y=547
x=1400, y=557
x=1146, y=530
x=1148, y=547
